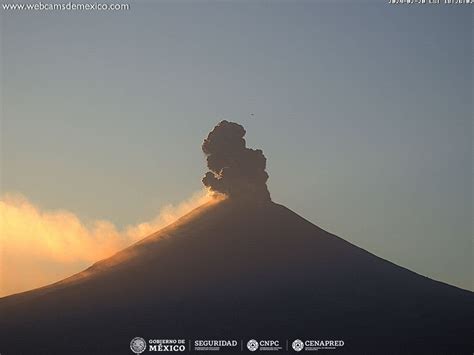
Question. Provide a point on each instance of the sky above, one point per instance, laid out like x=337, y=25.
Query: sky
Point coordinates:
x=363, y=110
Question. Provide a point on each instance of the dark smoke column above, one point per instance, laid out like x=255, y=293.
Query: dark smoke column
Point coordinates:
x=235, y=170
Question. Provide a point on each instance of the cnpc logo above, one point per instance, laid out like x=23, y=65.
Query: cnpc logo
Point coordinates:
x=254, y=345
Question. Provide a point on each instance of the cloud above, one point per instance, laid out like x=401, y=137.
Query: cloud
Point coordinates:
x=40, y=247
x=235, y=170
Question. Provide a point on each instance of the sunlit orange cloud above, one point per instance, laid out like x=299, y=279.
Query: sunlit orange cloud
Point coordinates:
x=40, y=247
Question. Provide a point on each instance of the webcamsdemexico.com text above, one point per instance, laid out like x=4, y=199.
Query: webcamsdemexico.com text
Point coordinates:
x=69, y=6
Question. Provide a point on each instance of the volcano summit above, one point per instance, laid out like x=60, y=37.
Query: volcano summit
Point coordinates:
x=240, y=267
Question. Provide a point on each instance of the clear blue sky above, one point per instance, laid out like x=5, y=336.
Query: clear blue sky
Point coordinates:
x=364, y=112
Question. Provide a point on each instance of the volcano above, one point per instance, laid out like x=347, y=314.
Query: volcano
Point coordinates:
x=240, y=267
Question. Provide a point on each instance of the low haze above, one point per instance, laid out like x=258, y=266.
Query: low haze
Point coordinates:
x=41, y=247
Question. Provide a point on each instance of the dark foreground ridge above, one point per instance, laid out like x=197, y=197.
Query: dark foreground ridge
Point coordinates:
x=242, y=268
x=241, y=271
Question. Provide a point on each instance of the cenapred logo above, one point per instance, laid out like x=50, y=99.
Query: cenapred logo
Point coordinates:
x=138, y=345
x=252, y=345
x=297, y=345
x=316, y=344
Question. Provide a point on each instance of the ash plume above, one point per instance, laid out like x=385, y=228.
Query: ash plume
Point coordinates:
x=235, y=170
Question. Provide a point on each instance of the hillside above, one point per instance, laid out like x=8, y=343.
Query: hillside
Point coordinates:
x=240, y=269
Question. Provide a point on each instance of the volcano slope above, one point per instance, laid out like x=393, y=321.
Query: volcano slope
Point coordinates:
x=240, y=269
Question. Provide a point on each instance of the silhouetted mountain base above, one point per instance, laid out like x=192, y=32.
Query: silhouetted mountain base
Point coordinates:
x=241, y=270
